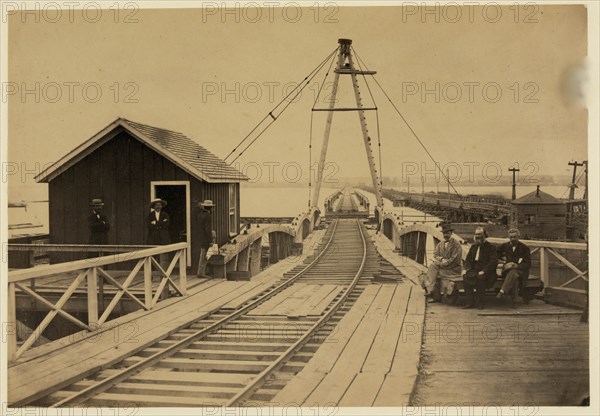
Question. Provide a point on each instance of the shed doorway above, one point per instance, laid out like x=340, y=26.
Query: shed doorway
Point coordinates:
x=177, y=195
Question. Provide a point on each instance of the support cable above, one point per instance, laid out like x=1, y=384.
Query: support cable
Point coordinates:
x=411, y=130
x=311, y=130
x=358, y=61
x=295, y=92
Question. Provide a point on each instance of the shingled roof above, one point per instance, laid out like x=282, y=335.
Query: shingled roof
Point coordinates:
x=537, y=197
x=178, y=148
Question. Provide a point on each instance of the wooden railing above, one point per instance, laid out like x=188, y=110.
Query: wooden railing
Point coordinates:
x=548, y=249
x=89, y=270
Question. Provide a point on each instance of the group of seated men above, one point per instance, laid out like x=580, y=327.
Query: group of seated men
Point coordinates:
x=480, y=267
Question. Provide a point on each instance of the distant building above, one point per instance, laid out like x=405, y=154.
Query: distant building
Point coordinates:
x=539, y=215
x=127, y=164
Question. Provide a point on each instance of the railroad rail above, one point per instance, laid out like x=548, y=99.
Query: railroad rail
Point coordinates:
x=211, y=362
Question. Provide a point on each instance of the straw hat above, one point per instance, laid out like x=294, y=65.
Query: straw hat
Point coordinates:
x=207, y=203
x=155, y=200
x=97, y=202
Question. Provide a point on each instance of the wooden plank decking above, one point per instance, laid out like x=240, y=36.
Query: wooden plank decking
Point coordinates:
x=536, y=355
x=390, y=348
x=57, y=364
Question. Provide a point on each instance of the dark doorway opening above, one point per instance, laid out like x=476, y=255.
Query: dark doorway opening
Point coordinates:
x=175, y=196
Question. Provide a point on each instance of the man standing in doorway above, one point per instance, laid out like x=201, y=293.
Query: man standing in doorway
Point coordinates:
x=481, y=265
x=158, y=228
x=205, y=233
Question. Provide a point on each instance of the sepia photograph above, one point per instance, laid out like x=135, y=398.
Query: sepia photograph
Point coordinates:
x=299, y=208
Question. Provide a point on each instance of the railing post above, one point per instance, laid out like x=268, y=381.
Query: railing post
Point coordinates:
x=11, y=324
x=92, y=295
x=544, y=267
x=148, y=282
x=183, y=271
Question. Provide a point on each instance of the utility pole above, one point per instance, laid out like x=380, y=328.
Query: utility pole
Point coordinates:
x=422, y=189
x=448, y=179
x=514, y=184
x=585, y=193
x=573, y=184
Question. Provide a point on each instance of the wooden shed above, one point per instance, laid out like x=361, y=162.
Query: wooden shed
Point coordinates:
x=127, y=164
x=539, y=215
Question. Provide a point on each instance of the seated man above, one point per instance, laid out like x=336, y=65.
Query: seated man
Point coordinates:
x=480, y=266
x=517, y=261
x=447, y=263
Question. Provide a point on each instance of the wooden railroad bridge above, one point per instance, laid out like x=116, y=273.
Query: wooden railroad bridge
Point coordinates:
x=336, y=319
x=450, y=207
x=342, y=323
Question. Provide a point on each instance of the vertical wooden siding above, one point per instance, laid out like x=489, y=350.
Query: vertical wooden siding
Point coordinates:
x=120, y=172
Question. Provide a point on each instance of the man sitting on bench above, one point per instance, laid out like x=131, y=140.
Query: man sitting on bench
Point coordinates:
x=446, y=264
x=517, y=261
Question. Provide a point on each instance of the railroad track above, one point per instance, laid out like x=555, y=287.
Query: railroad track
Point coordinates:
x=347, y=203
x=236, y=357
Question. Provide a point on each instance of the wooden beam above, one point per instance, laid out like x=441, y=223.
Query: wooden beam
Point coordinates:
x=92, y=295
x=50, y=316
x=52, y=307
x=79, y=248
x=566, y=262
x=148, y=282
x=20, y=275
x=119, y=294
x=11, y=324
x=544, y=264
x=183, y=272
x=120, y=287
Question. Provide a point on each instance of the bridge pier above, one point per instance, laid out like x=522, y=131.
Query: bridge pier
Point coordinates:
x=243, y=260
x=255, y=251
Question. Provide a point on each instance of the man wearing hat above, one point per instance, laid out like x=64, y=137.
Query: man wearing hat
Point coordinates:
x=205, y=233
x=447, y=262
x=98, y=223
x=158, y=223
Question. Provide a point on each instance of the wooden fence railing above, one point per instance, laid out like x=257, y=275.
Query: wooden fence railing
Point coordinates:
x=89, y=270
x=548, y=249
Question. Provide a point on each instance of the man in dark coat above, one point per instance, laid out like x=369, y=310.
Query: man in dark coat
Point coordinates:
x=517, y=261
x=158, y=224
x=205, y=233
x=98, y=223
x=481, y=265
x=158, y=228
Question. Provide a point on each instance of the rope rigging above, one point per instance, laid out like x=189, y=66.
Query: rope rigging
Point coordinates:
x=311, y=127
x=409, y=127
x=376, y=116
x=271, y=114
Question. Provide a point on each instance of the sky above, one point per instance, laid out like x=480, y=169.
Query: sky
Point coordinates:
x=484, y=89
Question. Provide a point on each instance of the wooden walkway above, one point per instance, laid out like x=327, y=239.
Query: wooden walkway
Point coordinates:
x=372, y=356
x=60, y=363
x=536, y=355
x=370, y=359
x=389, y=349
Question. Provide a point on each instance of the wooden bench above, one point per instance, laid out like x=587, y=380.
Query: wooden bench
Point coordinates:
x=450, y=288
